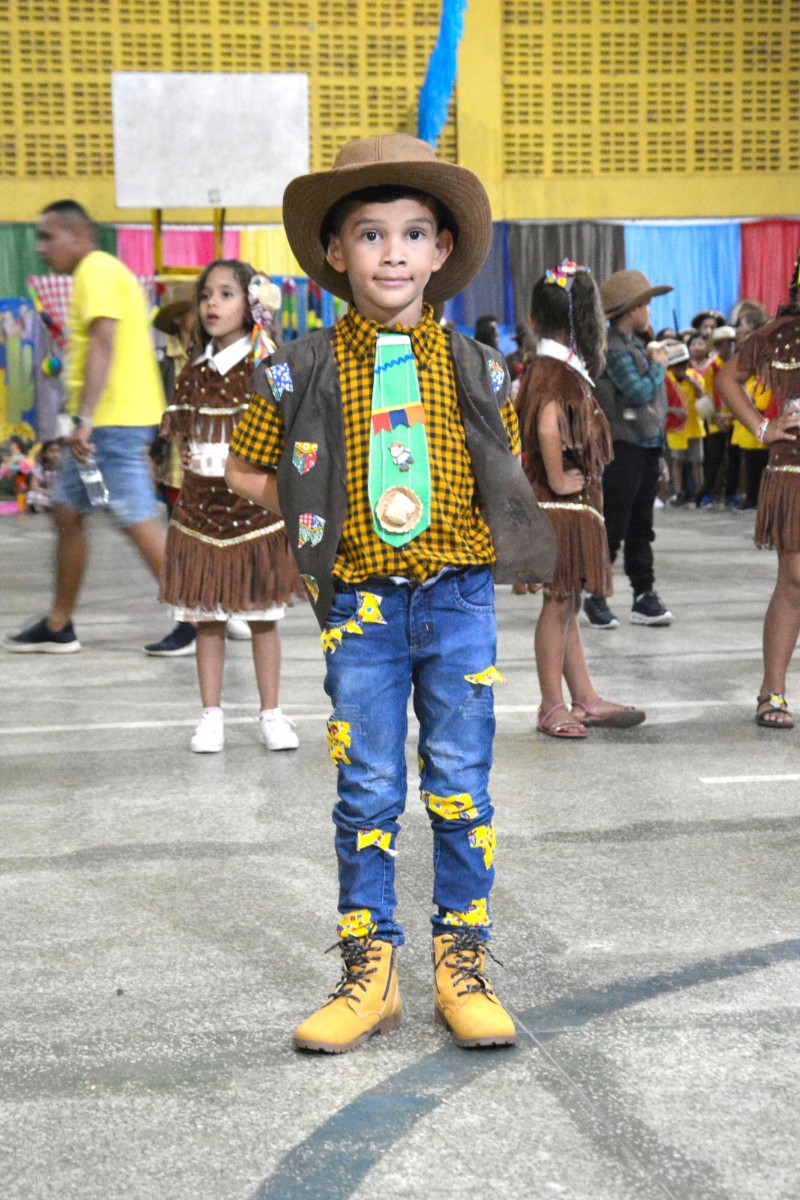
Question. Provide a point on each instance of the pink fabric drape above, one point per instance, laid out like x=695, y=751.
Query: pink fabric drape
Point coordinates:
x=769, y=250
x=182, y=248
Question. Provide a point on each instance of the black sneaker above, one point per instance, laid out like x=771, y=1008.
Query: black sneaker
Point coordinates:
x=177, y=643
x=40, y=639
x=648, y=610
x=597, y=614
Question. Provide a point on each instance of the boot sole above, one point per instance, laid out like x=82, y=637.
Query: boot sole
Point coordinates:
x=387, y=1025
x=509, y=1039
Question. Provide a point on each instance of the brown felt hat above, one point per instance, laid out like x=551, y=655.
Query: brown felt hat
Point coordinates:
x=401, y=160
x=177, y=300
x=625, y=290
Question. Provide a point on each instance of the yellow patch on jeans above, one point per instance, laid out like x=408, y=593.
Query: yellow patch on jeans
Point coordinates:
x=355, y=924
x=476, y=914
x=330, y=638
x=487, y=677
x=339, y=739
x=451, y=808
x=369, y=609
x=382, y=838
x=482, y=837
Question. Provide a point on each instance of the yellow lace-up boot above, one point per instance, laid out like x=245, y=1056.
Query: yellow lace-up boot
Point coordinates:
x=366, y=1000
x=464, y=999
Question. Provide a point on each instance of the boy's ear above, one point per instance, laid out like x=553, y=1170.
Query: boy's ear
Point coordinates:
x=444, y=248
x=334, y=256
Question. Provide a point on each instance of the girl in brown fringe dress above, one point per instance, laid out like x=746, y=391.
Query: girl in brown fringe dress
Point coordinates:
x=566, y=443
x=225, y=556
x=773, y=354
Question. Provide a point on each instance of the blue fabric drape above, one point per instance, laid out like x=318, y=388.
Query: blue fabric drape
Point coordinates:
x=490, y=291
x=701, y=261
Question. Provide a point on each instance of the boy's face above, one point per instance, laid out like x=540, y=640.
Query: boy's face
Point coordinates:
x=640, y=317
x=389, y=252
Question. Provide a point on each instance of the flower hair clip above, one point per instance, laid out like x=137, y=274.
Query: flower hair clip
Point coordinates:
x=564, y=274
x=264, y=299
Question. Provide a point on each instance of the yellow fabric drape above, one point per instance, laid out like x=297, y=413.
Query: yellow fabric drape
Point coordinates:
x=267, y=249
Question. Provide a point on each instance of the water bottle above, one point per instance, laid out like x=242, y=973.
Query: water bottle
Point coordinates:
x=93, y=481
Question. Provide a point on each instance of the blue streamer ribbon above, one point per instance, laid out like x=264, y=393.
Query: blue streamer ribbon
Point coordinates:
x=434, y=96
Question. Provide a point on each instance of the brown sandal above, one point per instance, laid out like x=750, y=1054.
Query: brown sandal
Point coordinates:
x=773, y=702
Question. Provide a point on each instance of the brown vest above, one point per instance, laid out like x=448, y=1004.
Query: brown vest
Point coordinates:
x=523, y=537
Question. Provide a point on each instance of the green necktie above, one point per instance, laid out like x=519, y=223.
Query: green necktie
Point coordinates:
x=399, y=469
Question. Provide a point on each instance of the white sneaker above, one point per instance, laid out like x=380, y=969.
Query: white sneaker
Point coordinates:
x=209, y=736
x=238, y=630
x=278, y=732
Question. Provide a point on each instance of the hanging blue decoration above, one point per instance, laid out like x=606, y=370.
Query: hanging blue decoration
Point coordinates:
x=434, y=96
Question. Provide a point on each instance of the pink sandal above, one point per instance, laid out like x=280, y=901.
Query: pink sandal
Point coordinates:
x=623, y=717
x=562, y=729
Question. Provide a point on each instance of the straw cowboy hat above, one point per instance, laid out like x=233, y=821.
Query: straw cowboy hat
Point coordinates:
x=625, y=290
x=405, y=161
x=178, y=299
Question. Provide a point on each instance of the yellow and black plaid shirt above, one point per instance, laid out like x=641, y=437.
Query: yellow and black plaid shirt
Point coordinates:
x=457, y=534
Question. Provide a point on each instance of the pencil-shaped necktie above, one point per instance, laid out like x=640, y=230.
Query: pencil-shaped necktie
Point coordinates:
x=399, y=467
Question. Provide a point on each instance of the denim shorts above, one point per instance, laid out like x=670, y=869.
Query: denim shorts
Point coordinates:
x=121, y=453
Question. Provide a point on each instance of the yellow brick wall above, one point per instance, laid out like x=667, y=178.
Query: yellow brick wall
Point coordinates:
x=566, y=108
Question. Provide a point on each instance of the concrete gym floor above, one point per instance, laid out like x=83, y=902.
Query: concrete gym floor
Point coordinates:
x=164, y=917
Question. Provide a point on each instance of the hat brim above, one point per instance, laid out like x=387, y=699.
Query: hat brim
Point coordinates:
x=309, y=198
x=617, y=310
x=165, y=318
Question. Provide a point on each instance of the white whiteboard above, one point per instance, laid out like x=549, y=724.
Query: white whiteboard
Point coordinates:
x=218, y=140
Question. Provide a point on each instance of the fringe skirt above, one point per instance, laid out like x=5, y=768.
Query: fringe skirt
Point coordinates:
x=778, y=515
x=224, y=553
x=582, y=560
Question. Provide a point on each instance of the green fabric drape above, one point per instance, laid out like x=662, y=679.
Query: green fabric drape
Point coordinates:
x=18, y=257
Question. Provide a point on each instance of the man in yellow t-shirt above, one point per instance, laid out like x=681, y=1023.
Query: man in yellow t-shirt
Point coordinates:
x=115, y=400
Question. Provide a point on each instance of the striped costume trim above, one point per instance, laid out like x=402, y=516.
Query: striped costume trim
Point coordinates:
x=571, y=507
x=235, y=541
x=209, y=412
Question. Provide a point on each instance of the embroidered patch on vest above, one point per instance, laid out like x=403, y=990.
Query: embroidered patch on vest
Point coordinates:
x=497, y=375
x=304, y=458
x=280, y=380
x=312, y=587
x=311, y=529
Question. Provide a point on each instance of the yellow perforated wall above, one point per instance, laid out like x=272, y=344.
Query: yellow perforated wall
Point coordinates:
x=566, y=108
x=696, y=96
x=365, y=60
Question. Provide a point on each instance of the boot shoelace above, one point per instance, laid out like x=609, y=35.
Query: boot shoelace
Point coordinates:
x=356, y=967
x=466, y=949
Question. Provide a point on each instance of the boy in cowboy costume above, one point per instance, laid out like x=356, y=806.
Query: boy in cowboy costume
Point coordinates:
x=398, y=557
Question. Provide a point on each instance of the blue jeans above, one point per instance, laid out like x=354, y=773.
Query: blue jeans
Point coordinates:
x=381, y=639
x=122, y=458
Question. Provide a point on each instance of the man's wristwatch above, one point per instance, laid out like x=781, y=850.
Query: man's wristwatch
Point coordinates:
x=81, y=422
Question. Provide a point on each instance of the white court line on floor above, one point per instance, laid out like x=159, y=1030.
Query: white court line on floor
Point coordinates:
x=298, y=717
x=749, y=778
